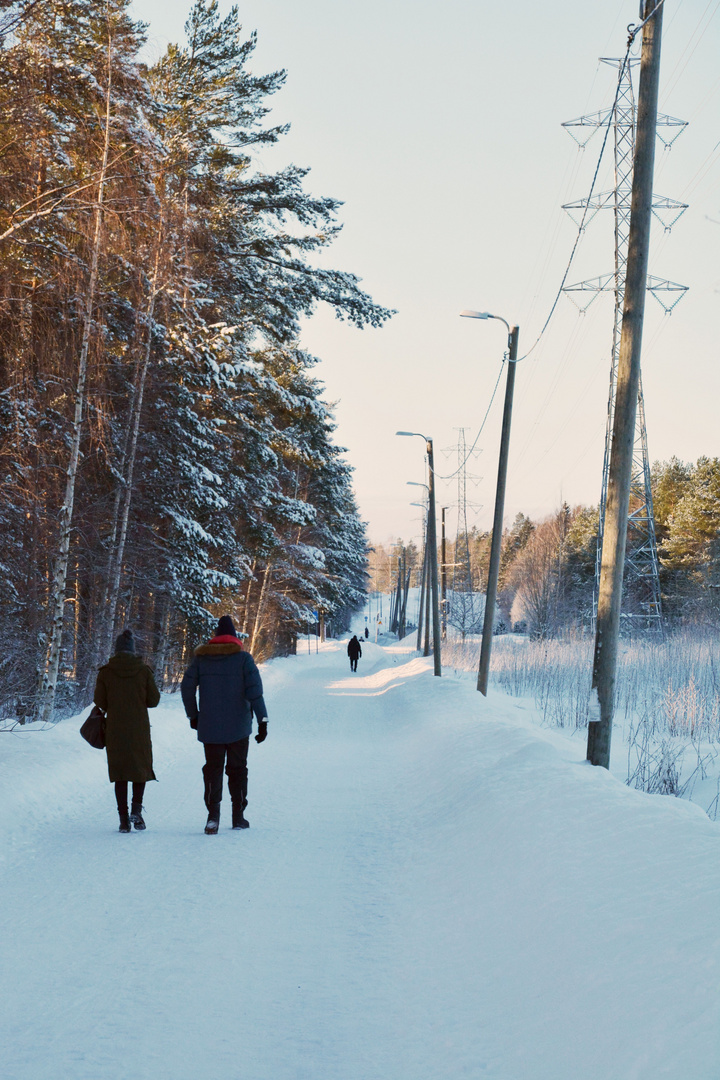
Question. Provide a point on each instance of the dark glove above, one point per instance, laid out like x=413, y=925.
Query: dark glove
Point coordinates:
x=262, y=731
x=193, y=722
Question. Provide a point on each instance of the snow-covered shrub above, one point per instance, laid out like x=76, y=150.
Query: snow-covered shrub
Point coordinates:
x=668, y=696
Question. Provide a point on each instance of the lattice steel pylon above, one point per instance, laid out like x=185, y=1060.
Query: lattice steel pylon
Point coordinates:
x=466, y=613
x=642, y=604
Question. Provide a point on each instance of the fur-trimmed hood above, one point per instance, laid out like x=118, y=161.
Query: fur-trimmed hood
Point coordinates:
x=221, y=648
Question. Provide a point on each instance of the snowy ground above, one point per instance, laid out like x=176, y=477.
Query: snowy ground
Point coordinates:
x=431, y=889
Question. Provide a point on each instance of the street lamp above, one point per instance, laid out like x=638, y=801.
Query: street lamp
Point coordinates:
x=494, y=569
x=432, y=547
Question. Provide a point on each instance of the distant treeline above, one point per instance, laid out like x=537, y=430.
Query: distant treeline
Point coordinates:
x=165, y=450
x=547, y=567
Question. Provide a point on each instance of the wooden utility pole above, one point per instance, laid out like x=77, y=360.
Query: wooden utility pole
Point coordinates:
x=628, y=378
x=432, y=610
x=393, y=598
x=406, y=589
x=496, y=543
x=401, y=579
x=398, y=597
x=428, y=592
x=433, y=556
x=423, y=585
x=443, y=576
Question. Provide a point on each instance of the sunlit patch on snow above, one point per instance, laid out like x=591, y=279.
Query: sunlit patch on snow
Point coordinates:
x=379, y=682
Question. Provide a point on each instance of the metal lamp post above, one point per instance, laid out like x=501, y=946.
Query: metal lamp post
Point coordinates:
x=494, y=569
x=432, y=548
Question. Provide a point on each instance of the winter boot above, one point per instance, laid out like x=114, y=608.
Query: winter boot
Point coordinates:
x=239, y=821
x=136, y=817
x=213, y=821
x=124, y=821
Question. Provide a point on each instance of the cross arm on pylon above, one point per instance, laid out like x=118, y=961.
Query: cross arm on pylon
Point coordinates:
x=606, y=283
x=607, y=200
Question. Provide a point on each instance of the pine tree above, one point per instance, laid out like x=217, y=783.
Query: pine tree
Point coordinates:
x=165, y=447
x=691, y=548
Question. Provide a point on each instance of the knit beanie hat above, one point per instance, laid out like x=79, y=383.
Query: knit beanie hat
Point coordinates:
x=125, y=642
x=225, y=626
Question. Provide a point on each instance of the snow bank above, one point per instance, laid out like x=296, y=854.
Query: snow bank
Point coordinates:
x=431, y=888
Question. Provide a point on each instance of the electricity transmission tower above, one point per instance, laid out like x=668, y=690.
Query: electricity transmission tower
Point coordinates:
x=641, y=589
x=464, y=615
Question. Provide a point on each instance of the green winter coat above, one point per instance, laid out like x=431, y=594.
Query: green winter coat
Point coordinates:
x=125, y=689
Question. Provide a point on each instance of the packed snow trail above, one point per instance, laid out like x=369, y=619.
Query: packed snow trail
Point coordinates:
x=431, y=889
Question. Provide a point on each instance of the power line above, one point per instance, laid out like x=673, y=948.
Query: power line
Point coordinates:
x=581, y=226
x=451, y=476
x=674, y=78
x=633, y=31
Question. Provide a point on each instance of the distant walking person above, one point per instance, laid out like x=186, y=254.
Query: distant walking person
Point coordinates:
x=354, y=651
x=125, y=690
x=230, y=692
x=367, y=633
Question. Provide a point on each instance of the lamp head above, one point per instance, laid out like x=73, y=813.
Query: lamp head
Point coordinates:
x=467, y=314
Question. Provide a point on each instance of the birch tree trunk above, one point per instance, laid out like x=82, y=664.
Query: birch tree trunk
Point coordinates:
x=100, y=635
x=117, y=563
x=163, y=641
x=49, y=673
x=120, y=473
x=257, y=626
x=246, y=616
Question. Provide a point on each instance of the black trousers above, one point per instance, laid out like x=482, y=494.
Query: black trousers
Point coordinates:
x=121, y=794
x=233, y=756
x=353, y=663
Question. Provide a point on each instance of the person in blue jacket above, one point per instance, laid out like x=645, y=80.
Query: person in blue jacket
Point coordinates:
x=231, y=692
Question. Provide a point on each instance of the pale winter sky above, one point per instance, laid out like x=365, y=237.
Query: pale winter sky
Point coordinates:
x=439, y=126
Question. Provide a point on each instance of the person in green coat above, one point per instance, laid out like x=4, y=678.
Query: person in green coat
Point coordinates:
x=125, y=690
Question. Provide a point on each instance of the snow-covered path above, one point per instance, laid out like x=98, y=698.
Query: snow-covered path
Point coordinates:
x=431, y=888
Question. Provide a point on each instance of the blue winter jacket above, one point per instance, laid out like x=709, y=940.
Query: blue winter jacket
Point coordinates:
x=230, y=692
